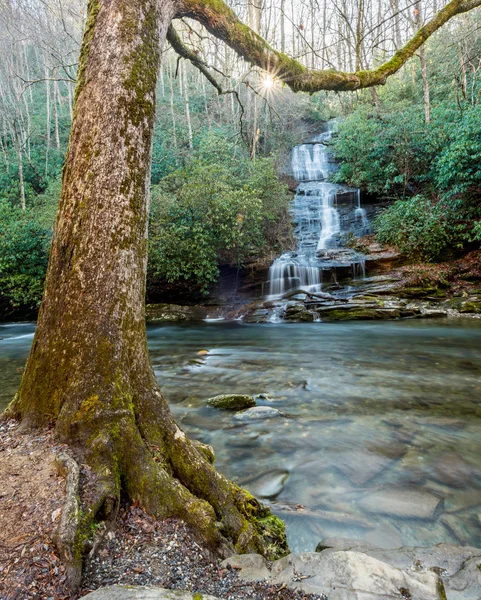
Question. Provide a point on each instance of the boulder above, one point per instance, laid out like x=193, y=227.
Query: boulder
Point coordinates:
x=297, y=312
x=130, y=592
x=232, y=401
x=459, y=566
x=340, y=575
x=257, y=413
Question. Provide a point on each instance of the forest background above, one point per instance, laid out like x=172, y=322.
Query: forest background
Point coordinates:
x=218, y=195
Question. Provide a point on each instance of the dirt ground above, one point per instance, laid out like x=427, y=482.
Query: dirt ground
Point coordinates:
x=139, y=550
x=31, y=493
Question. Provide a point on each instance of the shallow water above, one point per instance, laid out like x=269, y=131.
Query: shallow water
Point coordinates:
x=382, y=420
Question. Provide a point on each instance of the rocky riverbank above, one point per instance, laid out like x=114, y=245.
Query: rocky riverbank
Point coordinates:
x=389, y=290
x=142, y=558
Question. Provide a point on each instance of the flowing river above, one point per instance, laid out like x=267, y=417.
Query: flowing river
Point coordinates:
x=380, y=436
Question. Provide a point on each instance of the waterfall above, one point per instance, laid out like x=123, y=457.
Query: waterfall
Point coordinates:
x=316, y=219
x=360, y=212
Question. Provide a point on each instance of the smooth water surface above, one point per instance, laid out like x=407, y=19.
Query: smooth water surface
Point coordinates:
x=382, y=427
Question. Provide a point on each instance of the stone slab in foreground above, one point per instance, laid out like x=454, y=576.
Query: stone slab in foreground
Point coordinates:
x=130, y=592
x=344, y=575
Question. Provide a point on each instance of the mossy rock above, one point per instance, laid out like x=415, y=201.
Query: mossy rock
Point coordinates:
x=420, y=291
x=298, y=312
x=174, y=312
x=358, y=314
x=471, y=306
x=232, y=401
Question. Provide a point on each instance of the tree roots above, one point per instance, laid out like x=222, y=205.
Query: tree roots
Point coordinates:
x=143, y=455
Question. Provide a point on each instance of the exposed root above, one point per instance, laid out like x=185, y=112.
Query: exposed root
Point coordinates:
x=130, y=444
x=67, y=534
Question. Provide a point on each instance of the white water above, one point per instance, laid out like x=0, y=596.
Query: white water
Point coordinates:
x=317, y=223
x=361, y=212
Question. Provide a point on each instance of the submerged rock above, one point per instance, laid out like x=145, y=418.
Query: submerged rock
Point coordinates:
x=232, y=401
x=403, y=503
x=258, y=413
x=267, y=485
x=360, y=468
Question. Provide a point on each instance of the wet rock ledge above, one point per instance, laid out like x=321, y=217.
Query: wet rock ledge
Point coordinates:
x=390, y=291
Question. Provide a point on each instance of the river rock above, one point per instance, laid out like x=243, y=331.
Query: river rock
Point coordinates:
x=459, y=566
x=257, y=413
x=131, y=592
x=267, y=485
x=462, y=500
x=232, y=401
x=362, y=467
x=345, y=575
x=450, y=468
x=402, y=502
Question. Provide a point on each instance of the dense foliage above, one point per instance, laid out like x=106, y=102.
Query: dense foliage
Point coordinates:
x=23, y=258
x=220, y=208
x=431, y=167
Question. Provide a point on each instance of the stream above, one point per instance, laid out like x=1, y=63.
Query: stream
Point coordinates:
x=380, y=436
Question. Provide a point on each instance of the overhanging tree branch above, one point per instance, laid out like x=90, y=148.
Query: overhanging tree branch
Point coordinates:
x=222, y=22
x=184, y=52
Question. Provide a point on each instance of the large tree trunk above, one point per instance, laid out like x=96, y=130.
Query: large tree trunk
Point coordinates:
x=89, y=370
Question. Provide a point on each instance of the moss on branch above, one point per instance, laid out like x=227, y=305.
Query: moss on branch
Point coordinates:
x=222, y=22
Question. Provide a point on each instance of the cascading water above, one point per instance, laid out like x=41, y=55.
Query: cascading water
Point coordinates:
x=317, y=221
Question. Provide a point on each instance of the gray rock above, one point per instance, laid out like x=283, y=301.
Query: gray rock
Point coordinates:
x=257, y=413
x=458, y=565
x=124, y=592
x=362, y=467
x=343, y=544
x=402, y=502
x=232, y=401
x=267, y=485
x=466, y=583
x=253, y=567
x=448, y=558
x=344, y=575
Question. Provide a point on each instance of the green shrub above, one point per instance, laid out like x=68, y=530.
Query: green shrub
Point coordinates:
x=416, y=226
x=219, y=209
x=23, y=257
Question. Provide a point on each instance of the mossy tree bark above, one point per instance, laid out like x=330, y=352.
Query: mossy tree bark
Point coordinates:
x=89, y=371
